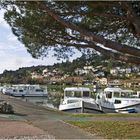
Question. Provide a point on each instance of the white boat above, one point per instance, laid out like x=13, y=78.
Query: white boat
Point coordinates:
x=114, y=99
x=26, y=91
x=78, y=100
x=6, y=90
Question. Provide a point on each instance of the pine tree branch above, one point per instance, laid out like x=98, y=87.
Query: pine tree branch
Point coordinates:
x=91, y=37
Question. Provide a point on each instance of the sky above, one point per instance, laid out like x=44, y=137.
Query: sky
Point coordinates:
x=13, y=54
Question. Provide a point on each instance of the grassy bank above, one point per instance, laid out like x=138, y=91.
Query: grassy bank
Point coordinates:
x=111, y=129
x=107, y=115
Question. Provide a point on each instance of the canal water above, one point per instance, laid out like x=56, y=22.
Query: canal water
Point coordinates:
x=42, y=101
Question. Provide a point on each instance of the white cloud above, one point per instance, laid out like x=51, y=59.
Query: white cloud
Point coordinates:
x=3, y=23
x=12, y=38
x=13, y=54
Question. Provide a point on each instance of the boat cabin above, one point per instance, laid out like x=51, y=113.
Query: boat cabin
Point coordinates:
x=112, y=92
x=118, y=93
x=77, y=92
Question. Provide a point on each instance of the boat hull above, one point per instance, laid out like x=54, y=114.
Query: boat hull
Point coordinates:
x=127, y=109
x=81, y=107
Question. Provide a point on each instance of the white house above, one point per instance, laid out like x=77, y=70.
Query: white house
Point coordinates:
x=114, y=72
x=103, y=81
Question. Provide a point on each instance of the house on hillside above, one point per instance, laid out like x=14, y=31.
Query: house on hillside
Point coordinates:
x=35, y=75
x=79, y=71
x=114, y=72
x=135, y=83
x=72, y=80
x=103, y=81
x=128, y=70
x=88, y=67
x=115, y=82
x=99, y=73
x=56, y=80
x=45, y=72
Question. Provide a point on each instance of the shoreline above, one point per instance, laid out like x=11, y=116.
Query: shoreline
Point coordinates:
x=41, y=118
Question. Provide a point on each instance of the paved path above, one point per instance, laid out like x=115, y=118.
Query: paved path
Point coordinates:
x=47, y=120
x=52, y=122
x=19, y=129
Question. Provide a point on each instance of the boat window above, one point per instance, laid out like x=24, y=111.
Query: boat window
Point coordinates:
x=116, y=94
x=77, y=94
x=117, y=102
x=69, y=93
x=126, y=95
x=108, y=94
x=72, y=101
x=134, y=93
x=98, y=96
x=14, y=90
x=20, y=90
x=39, y=90
x=123, y=94
x=86, y=94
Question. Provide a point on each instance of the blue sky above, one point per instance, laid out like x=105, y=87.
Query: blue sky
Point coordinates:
x=13, y=54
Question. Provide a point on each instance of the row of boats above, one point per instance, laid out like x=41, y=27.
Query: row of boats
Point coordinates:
x=24, y=90
x=79, y=100
x=110, y=100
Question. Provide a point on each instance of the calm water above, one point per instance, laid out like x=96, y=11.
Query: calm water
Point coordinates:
x=43, y=101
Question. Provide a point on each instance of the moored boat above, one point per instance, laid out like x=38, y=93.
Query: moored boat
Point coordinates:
x=24, y=90
x=115, y=99
x=78, y=100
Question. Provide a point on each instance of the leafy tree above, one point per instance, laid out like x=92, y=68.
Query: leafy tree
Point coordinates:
x=111, y=28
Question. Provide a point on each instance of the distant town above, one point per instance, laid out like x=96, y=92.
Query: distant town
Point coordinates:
x=82, y=71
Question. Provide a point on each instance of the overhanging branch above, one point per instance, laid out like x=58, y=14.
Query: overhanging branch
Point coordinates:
x=91, y=37
x=107, y=53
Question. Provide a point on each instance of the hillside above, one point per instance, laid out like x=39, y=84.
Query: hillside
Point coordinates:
x=99, y=63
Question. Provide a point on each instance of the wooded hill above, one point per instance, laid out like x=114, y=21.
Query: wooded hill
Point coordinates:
x=23, y=75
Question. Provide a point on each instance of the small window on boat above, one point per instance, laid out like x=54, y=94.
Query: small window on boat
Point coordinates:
x=20, y=90
x=134, y=93
x=39, y=90
x=77, y=94
x=14, y=90
x=69, y=93
x=126, y=94
x=72, y=101
x=109, y=95
x=123, y=94
x=116, y=94
x=86, y=94
x=117, y=102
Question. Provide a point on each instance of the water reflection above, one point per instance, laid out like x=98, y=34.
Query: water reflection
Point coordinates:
x=43, y=101
x=52, y=101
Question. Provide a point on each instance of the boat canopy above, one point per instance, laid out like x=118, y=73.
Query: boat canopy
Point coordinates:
x=76, y=89
x=113, y=89
x=77, y=92
x=120, y=93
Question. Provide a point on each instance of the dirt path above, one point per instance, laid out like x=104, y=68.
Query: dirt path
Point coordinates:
x=47, y=120
x=53, y=122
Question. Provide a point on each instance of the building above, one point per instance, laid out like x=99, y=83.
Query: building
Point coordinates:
x=103, y=81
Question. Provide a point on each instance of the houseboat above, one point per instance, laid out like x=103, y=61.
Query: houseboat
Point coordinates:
x=78, y=100
x=25, y=91
x=115, y=99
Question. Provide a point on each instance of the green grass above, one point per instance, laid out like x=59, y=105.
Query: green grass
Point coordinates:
x=106, y=115
x=111, y=129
